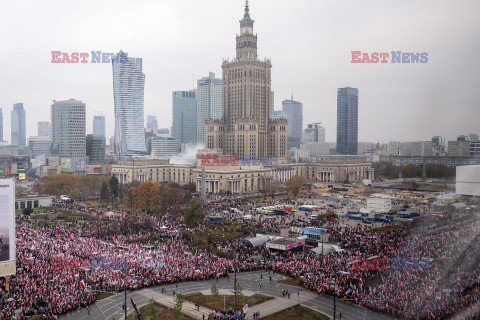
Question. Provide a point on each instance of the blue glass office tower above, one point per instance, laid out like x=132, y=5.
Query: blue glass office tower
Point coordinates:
x=128, y=90
x=184, y=116
x=293, y=111
x=347, y=120
x=19, y=136
x=99, y=125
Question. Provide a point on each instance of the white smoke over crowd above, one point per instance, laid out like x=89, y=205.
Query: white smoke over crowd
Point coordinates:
x=188, y=156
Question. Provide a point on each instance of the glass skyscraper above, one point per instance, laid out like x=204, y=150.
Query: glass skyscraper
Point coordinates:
x=99, y=125
x=152, y=124
x=43, y=129
x=293, y=111
x=184, y=116
x=209, y=103
x=347, y=120
x=19, y=136
x=128, y=89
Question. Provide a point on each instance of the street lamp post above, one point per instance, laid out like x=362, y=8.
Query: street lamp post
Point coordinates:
x=235, y=290
x=125, y=305
x=334, y=306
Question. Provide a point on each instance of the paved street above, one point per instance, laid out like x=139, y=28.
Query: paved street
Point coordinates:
x=111, y=308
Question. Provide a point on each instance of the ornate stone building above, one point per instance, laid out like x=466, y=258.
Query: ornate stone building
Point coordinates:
x=226, y=175
x=246, y=128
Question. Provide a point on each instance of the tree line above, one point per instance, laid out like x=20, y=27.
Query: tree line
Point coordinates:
x=435, y=171
x=146, y=197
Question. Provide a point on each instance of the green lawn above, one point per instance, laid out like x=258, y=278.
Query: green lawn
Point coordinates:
x=297, y=313
x=216, y=303
x=154, y=311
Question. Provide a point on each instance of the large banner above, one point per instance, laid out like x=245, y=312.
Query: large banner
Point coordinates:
x=66, y=163
x=399, y=263
x=309, y=231
x=7, y=227
x=80, y=164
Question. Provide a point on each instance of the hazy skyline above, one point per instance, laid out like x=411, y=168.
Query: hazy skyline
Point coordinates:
x=309, y=43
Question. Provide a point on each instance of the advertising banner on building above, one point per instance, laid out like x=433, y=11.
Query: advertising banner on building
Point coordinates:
x=22, y=176
x=7, y=227
x=80, y=164
x=66, y=163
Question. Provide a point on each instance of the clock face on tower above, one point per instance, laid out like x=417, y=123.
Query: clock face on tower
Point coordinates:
x=244, y=29
x=249, y=30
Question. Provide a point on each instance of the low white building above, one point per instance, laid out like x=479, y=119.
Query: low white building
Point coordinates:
x=468, y=180
x=39, y=145
x=379, y=205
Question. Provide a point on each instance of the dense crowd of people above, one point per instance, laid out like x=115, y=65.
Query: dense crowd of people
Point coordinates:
x=61, y=267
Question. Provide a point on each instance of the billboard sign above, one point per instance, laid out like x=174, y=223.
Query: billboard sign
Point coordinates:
x=23, y=162
x=80, y=164
x=66, y=163
x=7, y=227
x=310, y=231
x=22, y=176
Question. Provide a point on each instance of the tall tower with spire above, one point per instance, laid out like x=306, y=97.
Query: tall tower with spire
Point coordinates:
x=246, y=128
x=246, y=41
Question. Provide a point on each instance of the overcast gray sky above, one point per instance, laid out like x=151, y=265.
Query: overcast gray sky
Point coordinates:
x=308, y=41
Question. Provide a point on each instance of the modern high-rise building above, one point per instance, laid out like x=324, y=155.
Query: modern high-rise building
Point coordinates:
x=43, y=129
x=99, y=125
x=184, y=116
x=474, y=148
x=39, y=145
x=314, y=132
x=19, y=136
x=293, y=110
x=163, y=131
x=152, y=124
x=68, y=128
x=128, y=90
x=162, y=147
x=421, y=148
x=1, y=125
x=347, y=120
x=459, y=148
x=209, y=103
x=95, y=149
x=246, y=129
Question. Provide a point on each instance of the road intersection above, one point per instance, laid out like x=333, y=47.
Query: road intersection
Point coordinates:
x=111, y=308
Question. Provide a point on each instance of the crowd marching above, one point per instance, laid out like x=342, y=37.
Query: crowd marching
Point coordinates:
x=63, y=267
